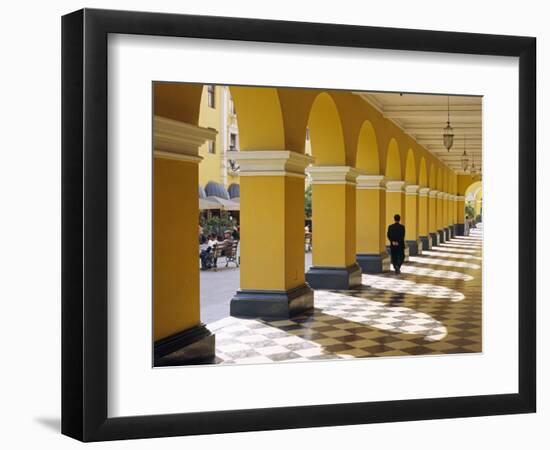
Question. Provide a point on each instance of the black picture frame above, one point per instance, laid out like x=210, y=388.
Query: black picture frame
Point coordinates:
x=84, y=224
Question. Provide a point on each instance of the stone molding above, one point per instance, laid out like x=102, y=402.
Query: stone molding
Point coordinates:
x=433, y=193
x=423, y=192
x=411, y=189
x=395, y=186
x=271, y=163
x=332, y=174
x=179, y=138
x=371, y=182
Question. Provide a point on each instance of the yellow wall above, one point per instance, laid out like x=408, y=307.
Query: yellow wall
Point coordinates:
x=334, y=225
x=423, y=215
x=176, y=297
x=411, y=223
x=432, y=214
x=209, y=169
x=371, y=206
x=394, y=205
x=272, y=232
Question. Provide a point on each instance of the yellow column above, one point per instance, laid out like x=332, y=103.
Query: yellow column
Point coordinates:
x=411, y=220
x=372, y=256
x=440, y=220
x=176, y=293
x=423, y=218
x=432, y=216
x=333, y=228
x=272, y=235
x=446, y=221
x=460, y=215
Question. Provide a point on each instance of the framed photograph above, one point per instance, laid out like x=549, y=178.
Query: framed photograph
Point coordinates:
x=273, y=224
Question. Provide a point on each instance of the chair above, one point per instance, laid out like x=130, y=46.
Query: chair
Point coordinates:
x=230, y=256
x=308, y=242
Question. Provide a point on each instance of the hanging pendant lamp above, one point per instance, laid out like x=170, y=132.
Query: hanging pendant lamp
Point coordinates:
x=465, y=157
x=448, y=136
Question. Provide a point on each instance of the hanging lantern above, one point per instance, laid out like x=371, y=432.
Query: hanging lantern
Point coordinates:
x=448, y=135
x=465, y=160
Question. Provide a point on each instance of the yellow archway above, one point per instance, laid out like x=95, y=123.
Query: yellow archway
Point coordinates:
x=368, y=159
x=422, y=173
x=325, y=131
x=263, y=131
x=410, y=168
x=393, y=162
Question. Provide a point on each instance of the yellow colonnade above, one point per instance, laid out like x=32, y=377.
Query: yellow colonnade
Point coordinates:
x=272, y=281
x=176, y=290
x=423, y=218
x=371, y=256
x=334, y=228
x=411, y=220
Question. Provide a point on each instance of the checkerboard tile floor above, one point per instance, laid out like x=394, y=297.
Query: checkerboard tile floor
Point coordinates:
x=433, y=307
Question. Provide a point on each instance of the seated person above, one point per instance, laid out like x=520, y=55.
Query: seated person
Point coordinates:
x=227, y=243
x=206, y=247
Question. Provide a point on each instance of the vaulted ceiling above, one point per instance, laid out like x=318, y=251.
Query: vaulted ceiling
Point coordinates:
x=424, y=117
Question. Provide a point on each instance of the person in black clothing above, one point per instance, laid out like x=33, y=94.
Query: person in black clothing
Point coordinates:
x=396, y=236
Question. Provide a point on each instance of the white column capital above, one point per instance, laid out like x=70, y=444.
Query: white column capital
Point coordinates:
x=411, y=189
x=433, y=193
x=460, y=198
x=332, y=174
x=370, y=182
x=440, y=195
x=395, y=186
x=271, y=163
x=423, y=192
x=173, y=139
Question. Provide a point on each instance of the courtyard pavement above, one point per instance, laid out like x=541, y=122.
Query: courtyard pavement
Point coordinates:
x=433, y=307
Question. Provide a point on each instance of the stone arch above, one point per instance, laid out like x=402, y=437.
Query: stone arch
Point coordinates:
x=472, y=190
x=410, y=168
x=326, y=133
x=439, y=179
x=422, y=173
x=260, y=119
x=393, y=162
x=368, y=159
x=178, y=101
x=433, y=177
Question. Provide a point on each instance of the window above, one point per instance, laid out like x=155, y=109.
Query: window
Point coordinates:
x=232, y=106
x=232, y=142
x=212, y=147
x=211, y=96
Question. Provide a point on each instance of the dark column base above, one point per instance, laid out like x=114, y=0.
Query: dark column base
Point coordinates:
x=435, y=239
x=415, y=247
x=334, y=277
x=451, y=231
x=447, y=233
x=196, y=345
x=460, y=229
x=441, y=236
x=426, y=242
x=373, y=263
x=272, y=304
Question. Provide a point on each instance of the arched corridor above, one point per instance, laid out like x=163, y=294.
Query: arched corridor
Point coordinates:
x=306, y=183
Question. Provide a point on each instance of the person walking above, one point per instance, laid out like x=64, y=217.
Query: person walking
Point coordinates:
x=396, y=236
